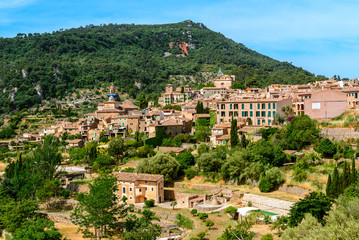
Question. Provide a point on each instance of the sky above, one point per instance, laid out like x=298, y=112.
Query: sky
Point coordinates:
x=320, y=36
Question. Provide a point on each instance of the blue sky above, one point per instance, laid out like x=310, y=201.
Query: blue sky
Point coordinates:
x=319, y=35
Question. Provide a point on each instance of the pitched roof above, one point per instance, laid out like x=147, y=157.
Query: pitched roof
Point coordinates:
x=133, y=177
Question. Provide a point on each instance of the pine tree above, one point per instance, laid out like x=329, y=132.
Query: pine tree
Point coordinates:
x=329, y=186
x=234, y=133
x=335, y=186
x=353, y=175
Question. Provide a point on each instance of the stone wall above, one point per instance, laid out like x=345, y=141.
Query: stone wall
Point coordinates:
x=58, y=217
x=294, y=190
x=267, y=202
x=198, y=186
x=339, y=133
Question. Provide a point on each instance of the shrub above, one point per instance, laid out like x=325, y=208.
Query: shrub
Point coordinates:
x=267, y=237
x=209, y=223
x=183, y=221
x=231, y=210
x=201, y=235
x=203, y=216
x=271, y=180
x=194, y=212
x=191, y=173
x=265, y=185
x=65, y=193
x=150, y=203
x=300, y=175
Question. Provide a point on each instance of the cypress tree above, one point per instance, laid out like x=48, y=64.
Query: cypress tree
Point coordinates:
x=234, y=133
x=335, y=185
x=244, y=141
x=199, y=108
x=344, y=178
x=329, y=186
x=353, y=172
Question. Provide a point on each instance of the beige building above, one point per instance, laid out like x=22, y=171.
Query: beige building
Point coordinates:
x=223, y=81
x=261, y=112
x=325, y=104
x=352, y=98
x=138, y=188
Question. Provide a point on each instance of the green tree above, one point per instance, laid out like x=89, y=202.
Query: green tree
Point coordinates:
x=301, y=131
x=142, y=228
x=327, y=148
x=185, y=159
x=335, y=185
x=40, y=229
x=199, y=108
x=99, y=209
x=328, y=189
x=47, y=158
x=91, y=152
x=116, y=148
x=209, y=224
x=317, y=204
x=234, y=133
x=208, y=162
x=162, y=164
x=49, y=189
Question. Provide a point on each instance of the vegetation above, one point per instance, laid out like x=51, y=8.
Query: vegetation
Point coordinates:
x=99, y=209
x=88, y=57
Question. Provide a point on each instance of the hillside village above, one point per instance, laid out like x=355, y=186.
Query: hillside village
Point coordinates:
x=201, y=159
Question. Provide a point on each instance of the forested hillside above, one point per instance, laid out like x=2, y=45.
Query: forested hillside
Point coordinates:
x=137, y=58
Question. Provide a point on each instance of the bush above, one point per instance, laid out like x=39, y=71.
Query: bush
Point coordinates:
x=183, y=221
x=191, y=173
x=65, y=193
x=327, y=148
x=265, y=185
x=150, y=203
x=267, y=237
x=231, y=210
x=194, y=212
x=203, y=216
x=300, y=175
x=201, y=235
x=271, y=180
x=209, y=223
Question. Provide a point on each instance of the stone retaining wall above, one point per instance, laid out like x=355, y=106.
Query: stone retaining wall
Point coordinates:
x=198, y=186
x=340, y=133
x=261, y=201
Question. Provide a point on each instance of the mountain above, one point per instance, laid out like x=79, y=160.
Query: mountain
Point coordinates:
x=137, y=58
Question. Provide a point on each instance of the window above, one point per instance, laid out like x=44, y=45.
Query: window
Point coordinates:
x=230, y=106
x=258, y=113
x=273, y=113
x=223, y=106
x=235, y=106
x=140, y=190
x=269, y=121
x=259, y=106
x=251, y=113
x=242, y=105
x=251, y=106
x=152, y=189
x=263, y=106
x=223, y=114
x=273, y=105
x=263, y=114
x=230, y=114
x=236, y=114
x=130, y=189
x=258, y=122
x=123, y=189
x=268, y=105
x=269, y=113
x=229, y=120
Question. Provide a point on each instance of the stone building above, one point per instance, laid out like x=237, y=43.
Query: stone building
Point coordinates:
x=140, y=187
